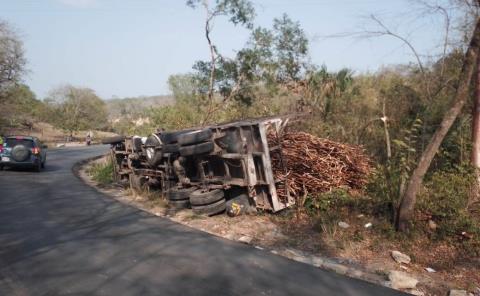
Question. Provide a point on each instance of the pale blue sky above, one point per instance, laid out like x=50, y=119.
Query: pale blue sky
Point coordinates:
x=130, y=47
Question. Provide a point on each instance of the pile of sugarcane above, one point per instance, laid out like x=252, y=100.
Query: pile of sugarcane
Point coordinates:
x=307, y=164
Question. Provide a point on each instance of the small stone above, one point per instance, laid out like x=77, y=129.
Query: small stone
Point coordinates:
x=338, y=268
x=400, y=257
x=317, y=261
x=245, y=239
x=360, y=216
x=454, y=292
x=429, y=269
x=401, y=280
x=432, y=225
x=343, y=225
x=368, y=225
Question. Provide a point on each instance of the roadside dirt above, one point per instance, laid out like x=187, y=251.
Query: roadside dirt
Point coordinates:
x=355, y=251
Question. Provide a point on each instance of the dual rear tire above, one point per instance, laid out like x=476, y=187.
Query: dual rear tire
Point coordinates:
x=208, y=202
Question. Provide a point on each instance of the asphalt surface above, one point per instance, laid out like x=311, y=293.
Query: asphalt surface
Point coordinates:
x=59, y=236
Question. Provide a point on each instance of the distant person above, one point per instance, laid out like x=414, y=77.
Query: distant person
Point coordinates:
x=88, y=139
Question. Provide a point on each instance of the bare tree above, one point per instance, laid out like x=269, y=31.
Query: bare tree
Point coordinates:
x=475, y=159
x=239, y=12
x=12, y=59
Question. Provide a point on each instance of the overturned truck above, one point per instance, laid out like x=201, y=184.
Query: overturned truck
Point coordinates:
x=210, y=169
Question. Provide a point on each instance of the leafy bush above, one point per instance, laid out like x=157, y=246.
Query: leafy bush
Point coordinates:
x=329, y=203
x=102, y=172
x=445, y=199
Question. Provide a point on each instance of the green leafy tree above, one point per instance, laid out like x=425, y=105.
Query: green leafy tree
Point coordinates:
x=77, y=108
x=291, y=46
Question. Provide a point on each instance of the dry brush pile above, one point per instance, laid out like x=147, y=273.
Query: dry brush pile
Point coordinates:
x=314, y=165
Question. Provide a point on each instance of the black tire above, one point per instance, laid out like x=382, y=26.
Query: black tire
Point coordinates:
x=202, y=148
x=20, y=153
x=153, y=141
x=154, y=156
x=179, y=194
x=170, y=148
x=172, y=137
x=179, y=204
x=153, y=151
x=194, y=137
x=211, y=209
x=200, y=198
x=113, y=140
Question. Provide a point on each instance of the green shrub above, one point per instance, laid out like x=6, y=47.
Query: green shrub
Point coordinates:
x=102, y=172
x=445, y=199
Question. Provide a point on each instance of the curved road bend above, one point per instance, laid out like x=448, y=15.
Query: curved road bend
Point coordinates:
x=59, y=236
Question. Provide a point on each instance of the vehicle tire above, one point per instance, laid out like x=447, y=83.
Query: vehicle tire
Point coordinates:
x=20, y=153
x=211, y=209
x=194, y=137
x=201, y=148
x=113, y=140
x=201, y=198
x=179, y=204
x=172, y=137
x=153, y=151
x=180, y=193
x=170, y=148
x=154, y=156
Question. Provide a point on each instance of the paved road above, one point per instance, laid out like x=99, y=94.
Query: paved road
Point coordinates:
x=59, y=236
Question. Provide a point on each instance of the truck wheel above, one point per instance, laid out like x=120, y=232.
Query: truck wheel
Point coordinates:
x=201, y=148
x=211, y=209
x=179, y=204
x=154, y=154
x=177, y=194
x=113, y=140
x=194, y=137
x=170, y=148
x=201, y=198
x=172, y=137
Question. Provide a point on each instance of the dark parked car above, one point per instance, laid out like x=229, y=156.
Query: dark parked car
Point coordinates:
x=23, y=151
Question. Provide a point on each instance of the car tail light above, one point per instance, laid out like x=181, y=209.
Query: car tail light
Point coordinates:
x=35, y=150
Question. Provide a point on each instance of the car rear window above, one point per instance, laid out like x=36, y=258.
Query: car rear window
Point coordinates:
x=11, y=142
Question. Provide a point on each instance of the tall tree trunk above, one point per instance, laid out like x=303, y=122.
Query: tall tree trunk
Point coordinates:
x=475, y=158
x=407, y=204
